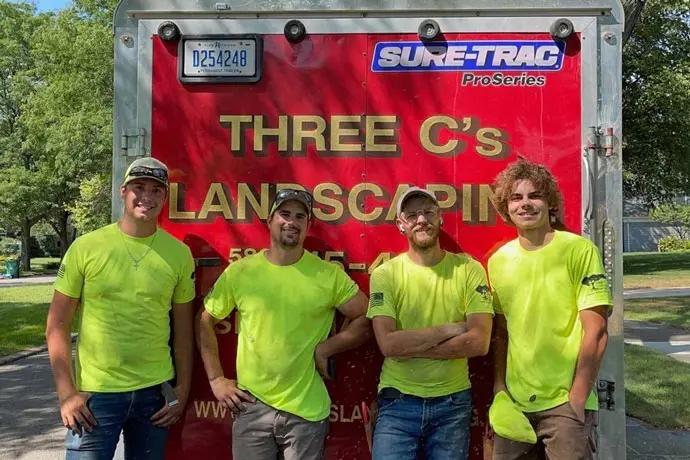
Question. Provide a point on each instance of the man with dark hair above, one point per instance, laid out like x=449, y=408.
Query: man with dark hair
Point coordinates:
x=127, y=276
x=552, y=301
x=431, y=311
x=287, y=299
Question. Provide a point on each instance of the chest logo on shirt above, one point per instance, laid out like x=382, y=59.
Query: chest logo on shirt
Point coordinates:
x=595, y=282
x=484, y=291
x=376, y=299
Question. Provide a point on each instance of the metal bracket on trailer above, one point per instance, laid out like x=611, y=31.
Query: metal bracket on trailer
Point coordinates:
x=133, y=142
x=606, y=390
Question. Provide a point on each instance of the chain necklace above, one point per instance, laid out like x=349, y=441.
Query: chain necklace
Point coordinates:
x=134, y=259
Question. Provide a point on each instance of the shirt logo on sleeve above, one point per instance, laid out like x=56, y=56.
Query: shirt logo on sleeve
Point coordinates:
x=484, y=291
x=376, y=299
x=61, y=271
x=596, y=282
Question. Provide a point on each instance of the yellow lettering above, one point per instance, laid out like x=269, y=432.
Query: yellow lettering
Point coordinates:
x=485, y=196
x=234, y=123
x=340, y=131
x=490, y=144
x=451, y=195
x=245, y=194
x=261, y=131
x=387, y=132
x=429, y=136
x=177, y=202
x=216, y=192
x=467, y=202
x=321, y=197
x=299, y=133
x=354, y=202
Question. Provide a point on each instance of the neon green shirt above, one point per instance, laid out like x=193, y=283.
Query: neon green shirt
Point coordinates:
x=125, y=313
x=541, y=293
x=420, y=297
x=284, y=313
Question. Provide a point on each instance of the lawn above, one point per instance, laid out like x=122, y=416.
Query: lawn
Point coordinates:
x=656, y=270
x=38, y=266
x=656, y=388
x=674, y=311
x=23, y=312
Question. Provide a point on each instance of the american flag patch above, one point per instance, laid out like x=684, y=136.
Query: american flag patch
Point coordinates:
x=61, y=271
x=376, y=299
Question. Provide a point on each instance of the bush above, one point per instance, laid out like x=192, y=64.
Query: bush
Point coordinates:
x=35, y=248
x=49, y=245
x=674, y=244
x=52, y=265
x=10, y=248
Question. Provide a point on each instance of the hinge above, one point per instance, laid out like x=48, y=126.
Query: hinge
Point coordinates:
x=133, y=141
x=600, y=142
x=606, y=390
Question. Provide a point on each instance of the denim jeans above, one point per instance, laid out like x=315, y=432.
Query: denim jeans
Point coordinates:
x=433, y=428
x=128, y=412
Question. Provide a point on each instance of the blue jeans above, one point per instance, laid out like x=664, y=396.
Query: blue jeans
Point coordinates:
x=117, y=412
x=435, y=428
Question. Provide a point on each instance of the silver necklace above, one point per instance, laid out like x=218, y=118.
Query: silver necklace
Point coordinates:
x=134, y=259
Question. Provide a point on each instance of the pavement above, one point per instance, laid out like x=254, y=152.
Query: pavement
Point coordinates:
x=672, y=341
x=8, y=282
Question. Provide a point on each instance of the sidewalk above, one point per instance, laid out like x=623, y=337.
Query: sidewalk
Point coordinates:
x=672, y=341
x=44, y=279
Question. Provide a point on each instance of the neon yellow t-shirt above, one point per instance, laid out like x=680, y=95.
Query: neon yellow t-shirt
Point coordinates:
x=541, y=293
x=284, y=313
x=123, y=342
x=420, y=297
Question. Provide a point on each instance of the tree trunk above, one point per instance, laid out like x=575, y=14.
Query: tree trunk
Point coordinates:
x=633, y=9
x=59, y=224
x=26, y=242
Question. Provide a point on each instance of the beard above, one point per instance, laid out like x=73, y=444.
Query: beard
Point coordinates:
x=289, y=240
x=423, y=239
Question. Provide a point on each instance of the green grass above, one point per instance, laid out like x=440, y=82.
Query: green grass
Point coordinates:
x=674, y=311
x=23, y=312
x=657, y=388
x=656, y=270
x=38, y=266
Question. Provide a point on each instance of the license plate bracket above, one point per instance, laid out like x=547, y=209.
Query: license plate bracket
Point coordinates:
x=210, y=59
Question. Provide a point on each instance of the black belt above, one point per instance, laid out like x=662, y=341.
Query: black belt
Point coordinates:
x=392, y=393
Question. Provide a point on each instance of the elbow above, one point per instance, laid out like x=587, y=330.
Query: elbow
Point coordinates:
x=479, y=348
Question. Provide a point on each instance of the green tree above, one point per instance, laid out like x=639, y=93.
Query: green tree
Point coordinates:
x=674, y=215
x=656, y=97
x=23, y=195
x=92, y=210
x=69, y=116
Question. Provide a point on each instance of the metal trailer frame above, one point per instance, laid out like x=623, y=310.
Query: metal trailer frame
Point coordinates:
x=601, y=23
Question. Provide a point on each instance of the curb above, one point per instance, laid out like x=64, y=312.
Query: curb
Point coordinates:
x=27, y=353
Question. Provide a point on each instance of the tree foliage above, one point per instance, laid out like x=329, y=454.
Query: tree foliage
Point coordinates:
x=656, y=97
x=92, y=210
x=674, y=215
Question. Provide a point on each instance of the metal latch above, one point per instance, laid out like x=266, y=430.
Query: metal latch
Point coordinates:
x=208, y=262
x=595, y=136
x=132, y=142
x=606, y=390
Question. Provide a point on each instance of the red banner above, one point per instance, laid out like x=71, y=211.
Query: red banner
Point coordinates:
x=357, y=123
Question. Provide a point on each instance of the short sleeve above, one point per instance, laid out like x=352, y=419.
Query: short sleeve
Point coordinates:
x=478, y=297
x=344, y=288
x=70, y=275
x=184, y=291
x=220, y=301
x=381, y=301
x=496, y=299
x=592, y=287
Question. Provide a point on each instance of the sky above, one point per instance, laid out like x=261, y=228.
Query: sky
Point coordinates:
x=50, y=5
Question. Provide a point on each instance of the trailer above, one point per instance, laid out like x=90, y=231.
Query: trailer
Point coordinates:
x=356, y=101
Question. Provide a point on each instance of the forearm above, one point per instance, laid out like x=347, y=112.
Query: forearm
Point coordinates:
x=60, y=354
x=183, y=345
x=412, y=342
x=355, y=334
x=209, y=350
x=500, y=354
x=467, y=345
x=588, y=362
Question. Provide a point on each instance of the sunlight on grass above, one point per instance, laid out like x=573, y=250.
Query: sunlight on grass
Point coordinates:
x=23, y=312
x=668, y=310
x=656, y=388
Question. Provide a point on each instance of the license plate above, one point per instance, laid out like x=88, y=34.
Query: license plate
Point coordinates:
x=220, y=58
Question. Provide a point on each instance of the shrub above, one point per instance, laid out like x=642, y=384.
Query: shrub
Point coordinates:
x=673, y=244
x=10, y=248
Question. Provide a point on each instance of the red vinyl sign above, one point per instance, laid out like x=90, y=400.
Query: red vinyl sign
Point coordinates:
x=356, y=119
